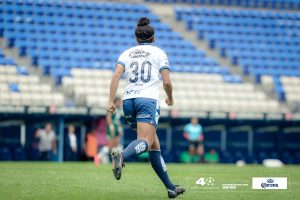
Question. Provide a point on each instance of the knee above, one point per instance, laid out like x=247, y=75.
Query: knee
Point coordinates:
x=148, y=141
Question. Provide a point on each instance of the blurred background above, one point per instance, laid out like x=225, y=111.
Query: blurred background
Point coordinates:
x=235, y=70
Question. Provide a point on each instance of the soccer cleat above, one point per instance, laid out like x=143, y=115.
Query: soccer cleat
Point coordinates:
x=118, y=163
x=174, y=193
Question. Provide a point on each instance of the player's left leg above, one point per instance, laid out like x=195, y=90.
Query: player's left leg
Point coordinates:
x=160, y=169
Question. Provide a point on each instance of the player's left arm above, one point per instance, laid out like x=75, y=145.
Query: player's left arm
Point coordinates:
x=114, y=86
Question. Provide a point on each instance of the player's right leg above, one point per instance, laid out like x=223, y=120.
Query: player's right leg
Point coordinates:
x=144, y=139
x=136, y=147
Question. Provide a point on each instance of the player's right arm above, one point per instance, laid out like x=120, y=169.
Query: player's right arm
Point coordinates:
x=114, y=86
x=167, y=83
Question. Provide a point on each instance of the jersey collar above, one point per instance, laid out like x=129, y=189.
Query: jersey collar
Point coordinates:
x=145, y=43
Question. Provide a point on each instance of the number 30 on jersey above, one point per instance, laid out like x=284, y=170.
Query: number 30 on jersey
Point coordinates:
x=138, y=71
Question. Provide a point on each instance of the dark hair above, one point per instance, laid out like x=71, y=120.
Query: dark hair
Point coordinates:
x=144, y=32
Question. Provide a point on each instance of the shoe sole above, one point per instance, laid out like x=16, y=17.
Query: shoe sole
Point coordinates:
x=180, y=193
x=117, y=171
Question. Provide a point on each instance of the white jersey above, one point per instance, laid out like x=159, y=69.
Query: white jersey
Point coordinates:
x=143, y=64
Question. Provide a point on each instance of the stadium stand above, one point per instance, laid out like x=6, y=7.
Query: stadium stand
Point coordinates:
x=82, y=61
x=270, y=4
x=17, y=87
x=213, y=94
x=77, y=44
x=265, y=44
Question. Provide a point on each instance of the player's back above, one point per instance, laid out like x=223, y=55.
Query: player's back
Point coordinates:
x=143, y=64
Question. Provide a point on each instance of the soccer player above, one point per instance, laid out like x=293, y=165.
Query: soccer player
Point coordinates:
x=114, y=128
x=143, y=65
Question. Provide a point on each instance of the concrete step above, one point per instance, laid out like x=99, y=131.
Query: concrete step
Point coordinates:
x=33, y=70
x=25, y=62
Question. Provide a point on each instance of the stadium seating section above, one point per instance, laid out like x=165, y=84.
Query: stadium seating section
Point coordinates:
x=78, y=43
x=265, y=44
x=213, y=94
x=271, y=4
x=17, y=87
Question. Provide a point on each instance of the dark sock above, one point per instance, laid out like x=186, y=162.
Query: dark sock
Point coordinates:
x=160, y=168
x=136, y=147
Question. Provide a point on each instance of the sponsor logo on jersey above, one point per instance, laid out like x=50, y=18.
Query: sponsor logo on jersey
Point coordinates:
x=129, y=92
x=138, y=53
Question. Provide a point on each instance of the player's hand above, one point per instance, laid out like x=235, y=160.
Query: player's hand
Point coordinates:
x=110, y=107
x=169, y=102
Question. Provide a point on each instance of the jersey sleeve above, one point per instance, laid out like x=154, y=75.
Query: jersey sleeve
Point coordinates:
x=164, y=62
x=122, y=59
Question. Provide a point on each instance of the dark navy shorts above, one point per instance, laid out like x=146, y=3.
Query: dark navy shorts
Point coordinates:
x=141, y=110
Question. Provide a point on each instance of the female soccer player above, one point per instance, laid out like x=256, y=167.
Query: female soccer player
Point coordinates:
x=143, y=65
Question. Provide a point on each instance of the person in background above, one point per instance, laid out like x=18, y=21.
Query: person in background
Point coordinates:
x=47, y=142
x=193, y=133
x=114, y=130
x=71, y=144
x=211, y=157
x=91, y=145
x=35, y=145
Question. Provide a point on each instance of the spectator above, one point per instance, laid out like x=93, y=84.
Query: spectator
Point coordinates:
x=71, y=146
x=193, y=133
x=47, y=142
x=90, y=146
x=211, y=157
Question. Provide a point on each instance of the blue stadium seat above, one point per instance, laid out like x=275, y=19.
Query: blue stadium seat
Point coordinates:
x=61, y=35
x=260, y=42
x=5, y=154
x=19, y=154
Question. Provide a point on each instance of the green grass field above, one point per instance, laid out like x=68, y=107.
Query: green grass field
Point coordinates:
x=86, y=181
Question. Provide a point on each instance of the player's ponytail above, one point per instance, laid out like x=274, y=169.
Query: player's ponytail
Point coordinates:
x=144, y=32
x=143, y=21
